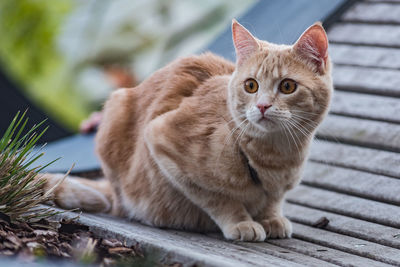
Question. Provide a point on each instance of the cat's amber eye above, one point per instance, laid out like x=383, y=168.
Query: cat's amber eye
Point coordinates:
x=287, y=86
x=251, y=86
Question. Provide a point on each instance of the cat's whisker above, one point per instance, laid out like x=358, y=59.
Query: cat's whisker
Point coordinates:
x=300, y=128
x=294, y=140
x=235, y=129
x=303, y=112
x=303, y=127
x=310, y=121
x=228, y=138
x=245, y=128
x=307, y=133
x=300, y=121
x=314, y=140
x=294, y=137
x=314, y=125
x=284, y=131
x=238, y=117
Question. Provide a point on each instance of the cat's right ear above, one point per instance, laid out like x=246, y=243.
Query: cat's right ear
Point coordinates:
x=313, y=47
x=245, y=43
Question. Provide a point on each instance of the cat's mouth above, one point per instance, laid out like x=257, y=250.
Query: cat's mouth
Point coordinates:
x=264, y=119
x=265, y=122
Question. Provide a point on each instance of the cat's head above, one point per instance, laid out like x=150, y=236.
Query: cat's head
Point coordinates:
x=280, y=87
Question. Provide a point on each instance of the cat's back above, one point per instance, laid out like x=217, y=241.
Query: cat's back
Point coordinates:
x=180, y=79
x=129, y=110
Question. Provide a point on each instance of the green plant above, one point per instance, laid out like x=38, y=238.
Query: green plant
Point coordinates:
x=21, y=187
x=29, y=56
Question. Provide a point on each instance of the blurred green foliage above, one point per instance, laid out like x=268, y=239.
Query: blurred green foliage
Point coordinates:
x=28, y=54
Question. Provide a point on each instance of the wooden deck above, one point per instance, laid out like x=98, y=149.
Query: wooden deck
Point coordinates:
x=352, y=177
x=347, y=209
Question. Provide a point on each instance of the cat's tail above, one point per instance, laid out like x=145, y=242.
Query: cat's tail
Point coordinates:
x=76, y=192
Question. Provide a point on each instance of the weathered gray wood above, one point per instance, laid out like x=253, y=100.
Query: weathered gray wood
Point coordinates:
x=366, y=106
x=353, y=182
x=190, y=248
x=378, y=57
x=356, y=207
x=347, y=244
x=365, y=34
x=368, y=80
x=360, y=158
x=370, y=133
x=384, y=235
x=373, y=13
x=286, y=254
x=383, y=1
x=328, y=254
x=304, y=248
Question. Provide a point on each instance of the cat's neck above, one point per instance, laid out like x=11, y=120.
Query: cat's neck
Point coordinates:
x=276, y=144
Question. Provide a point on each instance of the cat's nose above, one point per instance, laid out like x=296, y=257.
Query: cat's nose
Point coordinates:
x=263, y=108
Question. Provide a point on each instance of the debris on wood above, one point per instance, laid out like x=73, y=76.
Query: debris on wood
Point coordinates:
x=321, y=223
x=53, y=240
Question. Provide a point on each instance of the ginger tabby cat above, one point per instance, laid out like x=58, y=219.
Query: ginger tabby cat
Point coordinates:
x=205, y=144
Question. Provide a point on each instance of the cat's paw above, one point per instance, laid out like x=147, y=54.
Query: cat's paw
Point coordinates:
x=245, y=231
x=277, y=227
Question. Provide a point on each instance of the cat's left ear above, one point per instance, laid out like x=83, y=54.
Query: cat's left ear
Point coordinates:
x=312, y=46
x=245, y=43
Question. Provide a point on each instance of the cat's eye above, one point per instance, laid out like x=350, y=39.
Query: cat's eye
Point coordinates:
x=251, y=86
x=287, y=86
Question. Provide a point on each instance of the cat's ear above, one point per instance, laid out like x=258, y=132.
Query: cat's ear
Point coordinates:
x=312, y=46
x=245, y=43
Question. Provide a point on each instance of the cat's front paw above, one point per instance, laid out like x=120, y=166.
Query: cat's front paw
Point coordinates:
x=277, y=227
x=245, y=231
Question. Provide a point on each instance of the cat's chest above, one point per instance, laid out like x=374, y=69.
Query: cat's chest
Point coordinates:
x=275, y=176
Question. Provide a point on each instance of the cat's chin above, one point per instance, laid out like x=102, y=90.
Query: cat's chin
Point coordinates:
x=262, y=128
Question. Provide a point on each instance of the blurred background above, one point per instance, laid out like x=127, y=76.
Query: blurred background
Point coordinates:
x=65, y=56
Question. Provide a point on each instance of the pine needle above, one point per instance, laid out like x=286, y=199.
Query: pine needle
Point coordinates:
x=21, y=185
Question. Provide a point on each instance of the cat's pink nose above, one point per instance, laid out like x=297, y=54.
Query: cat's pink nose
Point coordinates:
x=263, y=108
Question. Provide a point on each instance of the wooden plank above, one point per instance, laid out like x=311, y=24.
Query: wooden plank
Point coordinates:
x=373, y=13
x=192, y=248
x=328, y=254
x=367, y=185
x=347, y=244
x=366, y=106
x=286, y=254
x=367, y=80
x=356, y=207
x=355, y=157
x=378, y=57
x=384, y=235
x=383, y=1
x=374, y=134
x=365, y=34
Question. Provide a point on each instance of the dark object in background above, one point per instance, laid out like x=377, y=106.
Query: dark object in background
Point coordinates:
x=12, y=101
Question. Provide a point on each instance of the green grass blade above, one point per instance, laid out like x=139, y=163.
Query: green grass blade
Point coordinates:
x=6, y=136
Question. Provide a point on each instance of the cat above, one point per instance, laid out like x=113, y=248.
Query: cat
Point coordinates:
x=205, y=144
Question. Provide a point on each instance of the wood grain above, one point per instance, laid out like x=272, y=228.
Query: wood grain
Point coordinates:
x=360, y=208
x=374, y=13
x=365, y=56
x=374, y=134
x=367, y=80
x=355, y=157
x=369, y=231
x=366, y=106
x=365, y=34
x=353, y=182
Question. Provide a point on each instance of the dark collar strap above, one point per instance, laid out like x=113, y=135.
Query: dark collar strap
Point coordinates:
x=253, y=172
